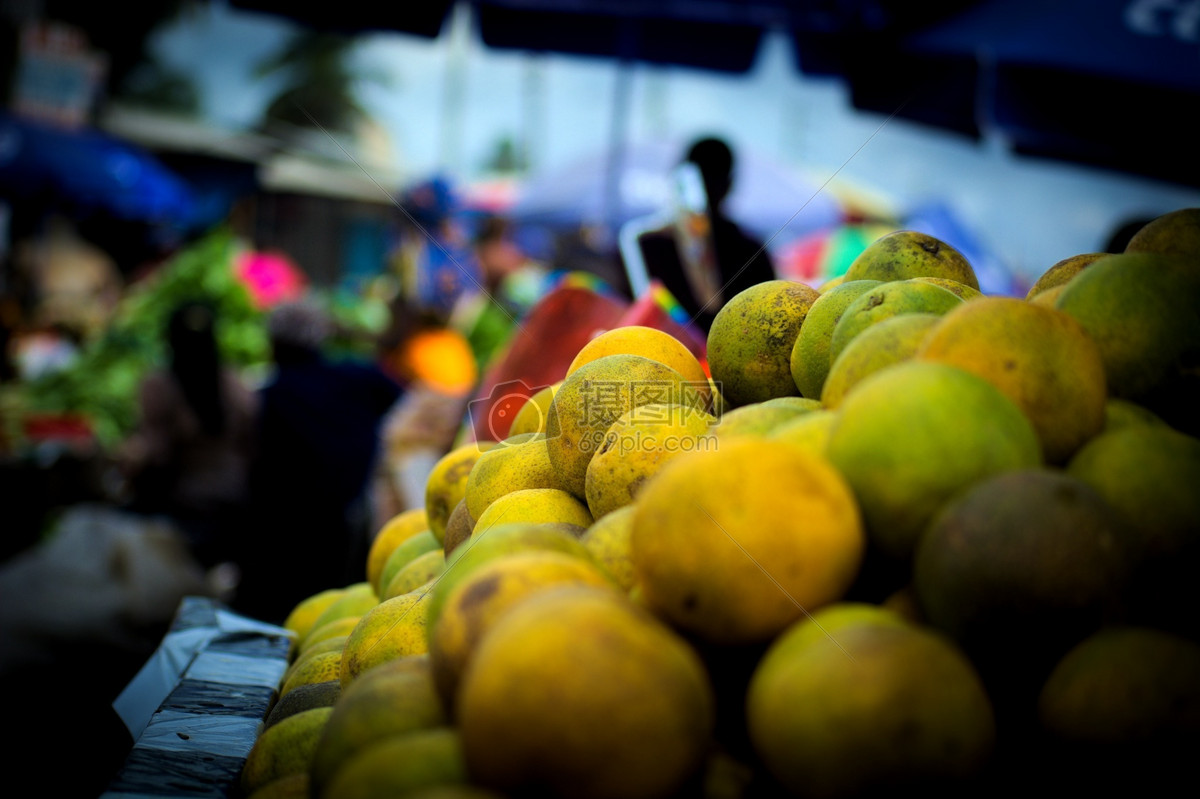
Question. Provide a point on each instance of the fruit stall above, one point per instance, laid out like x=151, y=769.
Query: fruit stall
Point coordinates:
x=889, y=533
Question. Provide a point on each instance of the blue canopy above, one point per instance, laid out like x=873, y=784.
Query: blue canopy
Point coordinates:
x=90, y=171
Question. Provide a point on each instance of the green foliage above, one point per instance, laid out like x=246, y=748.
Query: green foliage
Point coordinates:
x=103, y=382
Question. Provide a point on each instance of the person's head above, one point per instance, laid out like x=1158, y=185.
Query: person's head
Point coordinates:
x=714, y=158
x=298, y=331
x=195, y=360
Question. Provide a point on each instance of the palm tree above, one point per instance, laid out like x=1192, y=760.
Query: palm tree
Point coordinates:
x=319, y=90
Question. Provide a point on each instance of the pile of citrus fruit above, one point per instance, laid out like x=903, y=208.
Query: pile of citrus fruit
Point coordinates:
x=894, y=534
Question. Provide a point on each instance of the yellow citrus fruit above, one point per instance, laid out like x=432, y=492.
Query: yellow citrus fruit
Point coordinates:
x=519, y=462
x=395, y=530
x=286, y=748
x=301, y=698
x=633, y=708
x=447, y=483
x=484, y=596
x=394, y=698
x=761, y=418
x=869, y=705
x=403, y=554
x=885, y=301
x=751, y=338
x=416, y=573
x=1140, y=308
x=1062, y=271
x=531, y=418
x=809, y=432
x=810, y=354
x=290, y=786
x=911, y=436
x=536, y=506
x=636, y=447
x=1042, y=359
x=399, y=765
x=608, y=541
x=886, y=343
x=1173, y=233
x=336, y=628
x=316, y=668
x=306, y=611
x=736, y=543
x=497, y=541
x=393, y=629
x=962, y=290
x=594, y=396
x=905, y=254
x=649, y=342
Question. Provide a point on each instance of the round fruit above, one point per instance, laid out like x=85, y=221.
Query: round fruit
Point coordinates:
x=393, y=629
x=1062, y=271
x=1018, y=569
x=649, y=342
x=904, y=254
x=447, y=483
x=885, y=343
x=810, y=354
x=910, y=437
x=868, y=704
x=631, y=712
x=399, y=528
x=736, y=543
x=1042, y=359
x=885, y=301
x=751, y=339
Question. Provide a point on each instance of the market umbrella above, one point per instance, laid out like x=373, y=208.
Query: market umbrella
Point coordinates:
x=769, y=199
x=91, y=171
x=1107, y=83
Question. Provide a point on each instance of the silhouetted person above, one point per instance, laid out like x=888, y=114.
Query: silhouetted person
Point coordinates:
x=318, y=441
x=737, y=260
x=189, y=457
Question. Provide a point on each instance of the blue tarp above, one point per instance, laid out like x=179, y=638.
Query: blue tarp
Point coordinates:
x=90, y=171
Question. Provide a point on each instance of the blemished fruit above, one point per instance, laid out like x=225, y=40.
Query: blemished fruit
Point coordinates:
x=519, y=462
x=532, y=416
x=633, y=705
x=394, y=628
x=497, y=541
x=883, y=344
x=335, y=629
x=870, y=703
x=447, y=483
x=910, y=437
x=1042, y=359
x=398, y=765
x=595, y=396
x=734, y=544
x=1062, y=271
x=1018, y=569
x=318, y=668
x=394, y=698
x=286, y=748
x=751, y=338
x=904, y=254
x=399, y=528
x=886, y=301
x=483, y=597
x=636, y=447
x=458, y=528
x=761, y=418
x=810, y=354
x=649, y=342
x=335, y=644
